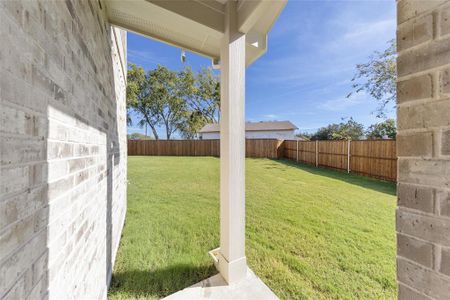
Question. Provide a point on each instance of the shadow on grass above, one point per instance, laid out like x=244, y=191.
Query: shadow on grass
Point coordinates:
x=362, y=181
x=157, y=283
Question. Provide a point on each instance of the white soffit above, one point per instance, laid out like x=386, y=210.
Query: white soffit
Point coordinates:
x=196, y=25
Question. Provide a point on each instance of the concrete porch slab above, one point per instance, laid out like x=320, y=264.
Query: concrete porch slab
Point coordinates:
x=216, y=287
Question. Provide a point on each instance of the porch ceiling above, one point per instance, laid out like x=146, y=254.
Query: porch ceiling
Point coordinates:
x=197, y=25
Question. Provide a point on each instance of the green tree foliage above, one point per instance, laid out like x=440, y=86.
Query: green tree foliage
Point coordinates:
x=165, y=94
x=382, y=130
x=350, y=130
x=177, y=101
x=202, y=95
x=138, y=136
x=304, y=136
x=192, y=124
x=135, y=88
x=140, y=100
x=378, y=78
x=207, y=95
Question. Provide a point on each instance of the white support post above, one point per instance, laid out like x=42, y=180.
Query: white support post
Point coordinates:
x=232, y=262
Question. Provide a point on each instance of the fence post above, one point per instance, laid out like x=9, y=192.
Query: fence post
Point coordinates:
x=348, y=156
x=317, y=153
x=280, y=149
x=297, y=150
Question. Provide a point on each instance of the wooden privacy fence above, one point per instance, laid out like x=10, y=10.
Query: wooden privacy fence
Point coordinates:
x=375, y=158
x=260, y=148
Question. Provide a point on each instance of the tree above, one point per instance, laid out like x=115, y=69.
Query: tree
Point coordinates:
x=378, y=78
x=202, y=95
x=208, y=94
x=350, y=130
x=304, y=136
x=178, y=101
x=139, y=98
x=135, y=82
x=324, y=133
x=138, y=136
x=194, y=121
x=382, y=130
x=129, y=107
x=165, y=94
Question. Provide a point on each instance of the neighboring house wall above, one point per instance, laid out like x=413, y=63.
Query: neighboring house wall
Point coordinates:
x=63, y=148
x=269, y=134
x=423, y=148
x=210, y=136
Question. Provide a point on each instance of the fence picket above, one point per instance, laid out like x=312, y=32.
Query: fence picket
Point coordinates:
x=375, y=158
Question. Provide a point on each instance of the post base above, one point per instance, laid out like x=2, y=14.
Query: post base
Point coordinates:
x=233, y=271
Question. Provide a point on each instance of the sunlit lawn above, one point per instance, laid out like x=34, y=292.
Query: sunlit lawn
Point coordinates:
x=311, y=233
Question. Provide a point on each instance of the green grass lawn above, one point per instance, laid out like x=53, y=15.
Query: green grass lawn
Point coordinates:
x=311, y=233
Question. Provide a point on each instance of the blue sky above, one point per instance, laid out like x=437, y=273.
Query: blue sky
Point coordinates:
x=305, y=75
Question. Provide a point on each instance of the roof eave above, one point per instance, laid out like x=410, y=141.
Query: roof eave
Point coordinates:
x=196, y=25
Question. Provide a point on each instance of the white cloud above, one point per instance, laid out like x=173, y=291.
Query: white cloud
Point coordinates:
x=347, y=38
x=309, y=66
x=270, y=116
x=143, y=56
x=367, y=31
x=361, y=37
x=283, y=115
x=343, y=103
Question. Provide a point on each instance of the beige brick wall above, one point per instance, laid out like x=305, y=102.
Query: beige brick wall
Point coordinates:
x=62, y=148
x=423, y=147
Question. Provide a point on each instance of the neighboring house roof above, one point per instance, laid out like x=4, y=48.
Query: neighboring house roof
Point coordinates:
x=254, y=126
